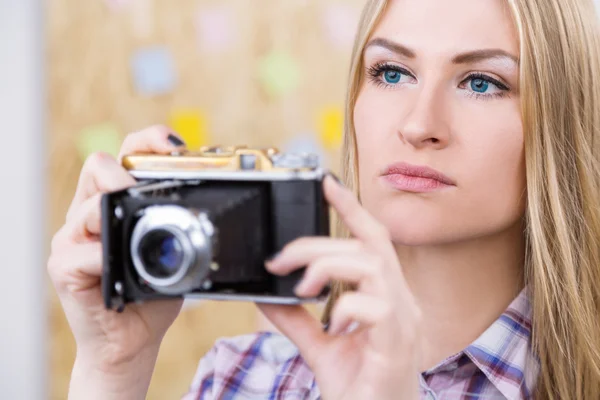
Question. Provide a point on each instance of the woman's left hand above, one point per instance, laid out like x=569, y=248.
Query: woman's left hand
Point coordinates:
x=379, y=359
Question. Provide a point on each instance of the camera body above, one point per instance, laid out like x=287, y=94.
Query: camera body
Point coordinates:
x=201, y=224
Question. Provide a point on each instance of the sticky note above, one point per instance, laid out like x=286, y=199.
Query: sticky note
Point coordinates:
x=279, y=73
x=331, y=127
x=117, y=5
x=153, y=71
x=305, y=143
x=142, y=18
x=215, y=29
x=103, y=137
x=191, y=124
x=341, y=23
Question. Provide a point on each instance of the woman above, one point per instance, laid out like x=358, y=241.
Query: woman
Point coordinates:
x=474, y=255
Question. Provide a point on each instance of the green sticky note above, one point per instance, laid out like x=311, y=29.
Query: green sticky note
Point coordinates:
x=279, y=73
x=103, y=137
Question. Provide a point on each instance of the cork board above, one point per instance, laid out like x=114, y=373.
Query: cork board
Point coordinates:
x=260, y=72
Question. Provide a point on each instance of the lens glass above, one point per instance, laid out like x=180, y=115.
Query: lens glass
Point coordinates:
x=161, y=253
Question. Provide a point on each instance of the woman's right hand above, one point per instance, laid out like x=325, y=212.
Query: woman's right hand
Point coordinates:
x=108, y=343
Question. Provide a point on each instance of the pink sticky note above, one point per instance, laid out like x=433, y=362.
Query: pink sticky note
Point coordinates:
x=142, y=18
x=215, y=28
x=341, y=22
x=117, y=5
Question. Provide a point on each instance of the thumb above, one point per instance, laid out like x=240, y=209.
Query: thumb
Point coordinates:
x=298, y=325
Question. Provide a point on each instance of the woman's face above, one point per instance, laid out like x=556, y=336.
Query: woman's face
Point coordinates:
x=438, y=124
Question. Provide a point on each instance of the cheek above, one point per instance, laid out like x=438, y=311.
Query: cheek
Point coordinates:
x=496, y=184
x=366, y=124
x=374, y=130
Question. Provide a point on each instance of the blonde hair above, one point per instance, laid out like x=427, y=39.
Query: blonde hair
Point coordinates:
x=560, y=97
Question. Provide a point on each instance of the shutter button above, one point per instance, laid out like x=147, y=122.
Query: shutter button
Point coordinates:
x=248, y=162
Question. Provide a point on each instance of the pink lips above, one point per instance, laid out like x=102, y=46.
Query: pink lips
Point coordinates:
x=416, y=179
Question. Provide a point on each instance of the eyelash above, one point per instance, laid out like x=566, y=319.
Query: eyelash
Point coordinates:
x=377, y=70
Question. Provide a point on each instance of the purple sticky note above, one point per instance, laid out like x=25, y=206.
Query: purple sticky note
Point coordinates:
x=116, y=5
x=341, y=22
x=153, y=71
x=215, y=28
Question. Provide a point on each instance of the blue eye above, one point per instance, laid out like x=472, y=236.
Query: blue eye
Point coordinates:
x=479, y=85
x=392, y=76
x=388, y=75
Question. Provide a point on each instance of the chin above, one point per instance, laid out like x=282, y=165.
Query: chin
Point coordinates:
x=423, y=224
x=418, y=234
x=409, y=226
x=413, y=221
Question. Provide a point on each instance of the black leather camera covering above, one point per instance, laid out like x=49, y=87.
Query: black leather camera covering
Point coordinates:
x=254, y=220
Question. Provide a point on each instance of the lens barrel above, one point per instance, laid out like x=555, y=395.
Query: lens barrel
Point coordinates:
x=171, y=248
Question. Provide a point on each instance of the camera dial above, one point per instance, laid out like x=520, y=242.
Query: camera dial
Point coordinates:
x=171, y=248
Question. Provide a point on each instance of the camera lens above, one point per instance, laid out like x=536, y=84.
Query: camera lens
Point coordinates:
x=171, y=248
x=161, y=253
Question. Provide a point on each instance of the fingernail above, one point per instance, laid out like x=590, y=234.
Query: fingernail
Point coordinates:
x=273, y=257
x=335, y=178
x=175, y=141
x=333, y=330
x=300, y=288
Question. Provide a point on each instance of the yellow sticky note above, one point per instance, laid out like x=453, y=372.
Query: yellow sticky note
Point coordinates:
x=192, y=126
x=103, y=137
x=331, y=127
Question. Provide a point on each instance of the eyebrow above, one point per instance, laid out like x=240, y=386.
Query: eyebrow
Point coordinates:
x=463, y=58
x=392, y=46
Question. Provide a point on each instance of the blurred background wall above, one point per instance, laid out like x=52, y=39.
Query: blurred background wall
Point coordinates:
x=75, y=76
x=255, y=72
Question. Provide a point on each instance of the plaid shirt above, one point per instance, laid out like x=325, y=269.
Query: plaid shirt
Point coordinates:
x=498, y=365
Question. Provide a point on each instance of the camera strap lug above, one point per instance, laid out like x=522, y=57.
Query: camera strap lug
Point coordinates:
x=118, y=302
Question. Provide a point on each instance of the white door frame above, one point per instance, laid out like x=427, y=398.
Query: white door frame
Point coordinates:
x=23, y=326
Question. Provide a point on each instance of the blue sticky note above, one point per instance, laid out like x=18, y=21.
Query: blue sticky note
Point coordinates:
x=153, y=71
x=305, y=143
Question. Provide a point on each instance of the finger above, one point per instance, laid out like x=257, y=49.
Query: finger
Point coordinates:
x=360, y=223
x=156, y=139
x=388, y=324
x=85, y=220
x=346, y=327
x=100, y=174
x=361, y=269
x=299, y=326
x=355, y=307
x=78, y=268
x=302, y=252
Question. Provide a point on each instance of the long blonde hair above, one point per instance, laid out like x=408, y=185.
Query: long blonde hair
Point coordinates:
x=560, y=97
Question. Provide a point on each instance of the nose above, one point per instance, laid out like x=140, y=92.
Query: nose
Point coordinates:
x=424, y=123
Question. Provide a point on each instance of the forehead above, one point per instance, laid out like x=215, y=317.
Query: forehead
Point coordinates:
x=449, y=26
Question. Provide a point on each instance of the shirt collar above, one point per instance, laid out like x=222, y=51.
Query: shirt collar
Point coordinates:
x=503, y=352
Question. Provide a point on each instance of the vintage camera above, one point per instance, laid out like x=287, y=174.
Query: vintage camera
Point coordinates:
x=203, y=223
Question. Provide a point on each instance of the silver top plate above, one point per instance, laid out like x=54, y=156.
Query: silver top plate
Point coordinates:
x=231, y=175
